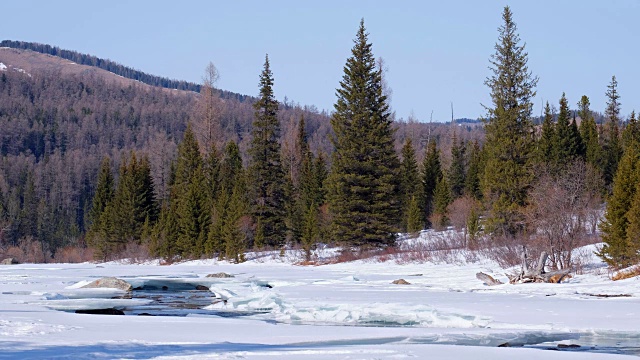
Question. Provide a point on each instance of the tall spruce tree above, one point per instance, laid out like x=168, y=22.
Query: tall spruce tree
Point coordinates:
x=190, y=197
x=364, y=197
x=509, y=131
x=409, y=179
x=431, y=174
x=97, y=235
x=442, y=198
x=615, y=226
x=472, y=180
x=589, y=134
x=267, y=176
x=456, y=173
x=568, y=143
x=547, y=139
x=612, y=146
x=631, y=132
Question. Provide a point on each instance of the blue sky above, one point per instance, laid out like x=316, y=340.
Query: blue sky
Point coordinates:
x=436, y=52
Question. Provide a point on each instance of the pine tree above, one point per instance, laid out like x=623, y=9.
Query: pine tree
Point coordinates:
x=97, y=233
x=267, y=176
x=414, y=216
x=633, y=227
x=631, y=133
x=442, y=199
x=364, y=178
x=235, y=240
x=409, y=179
x=612, y=146
x=617, y=216
x=189, y=195
x=456, y=173
x=546, y=143
x=576, y=139
x=472, y=180
x=509, y=131
x=431, y=174
x=564, y=151
x=589, y=135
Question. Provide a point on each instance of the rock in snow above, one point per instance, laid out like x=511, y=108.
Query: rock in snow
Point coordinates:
x=401, y=282
x=110, y=282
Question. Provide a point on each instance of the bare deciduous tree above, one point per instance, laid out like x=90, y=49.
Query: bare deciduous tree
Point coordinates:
x=560, y=208
x=210, y=108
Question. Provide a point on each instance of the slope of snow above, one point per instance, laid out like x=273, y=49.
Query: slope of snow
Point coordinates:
x=275, y=309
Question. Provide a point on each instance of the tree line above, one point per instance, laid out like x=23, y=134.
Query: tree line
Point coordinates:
x=270, y=188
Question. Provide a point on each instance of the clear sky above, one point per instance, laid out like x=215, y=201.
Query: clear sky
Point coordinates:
x=436, y=52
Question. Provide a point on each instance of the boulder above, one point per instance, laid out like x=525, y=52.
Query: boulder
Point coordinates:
x=220, y=275
x=9, y=261
x=110, y=282
x=202, y=288
x=401, y=282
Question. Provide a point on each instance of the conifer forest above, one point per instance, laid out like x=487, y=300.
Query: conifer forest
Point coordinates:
x=94, y=168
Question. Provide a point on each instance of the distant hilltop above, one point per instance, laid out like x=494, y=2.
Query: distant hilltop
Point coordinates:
x=115, y=68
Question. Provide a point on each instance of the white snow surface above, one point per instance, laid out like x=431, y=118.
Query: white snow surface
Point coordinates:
x=3, y=67
x=339, y=311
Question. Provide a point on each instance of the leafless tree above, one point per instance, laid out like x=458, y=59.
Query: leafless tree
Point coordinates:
x=209, y=111
x=560, y=206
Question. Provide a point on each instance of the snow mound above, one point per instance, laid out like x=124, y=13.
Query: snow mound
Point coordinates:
x=3, y=67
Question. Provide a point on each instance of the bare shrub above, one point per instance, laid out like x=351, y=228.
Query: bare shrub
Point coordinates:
x=460, y=211
x=559, y=211
x=135, y=253
x=627, y=273
x=29, y=250
x=73, y=254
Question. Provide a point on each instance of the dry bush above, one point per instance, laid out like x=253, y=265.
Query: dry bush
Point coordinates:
x=626, y=273
x=73, y=254
x=436, y=221
x=135, y=253
x=30, y=251
x=504, y=250
x=560, y=210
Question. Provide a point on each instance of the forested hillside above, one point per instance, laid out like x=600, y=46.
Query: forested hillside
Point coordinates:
x=58, y=123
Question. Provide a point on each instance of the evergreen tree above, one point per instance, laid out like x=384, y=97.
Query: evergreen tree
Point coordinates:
x=509, y=131
x=310, y=231
x=189, y=195
x=212, y=174
x=364, y=178
x=589, y=134
x=320, y=175
x=409, y=179
x=633, y=227
x=431, y=174
x=615, y=226
x=546, y=143
x=266, y=173
x=456, y=174
x=472, y=180
x=631, y=133
x=442, y=199
x=97, y=233
x=103, y=194
x=414, y=216
x=235, y=239
x=576, y=139
x=612, y=146
x=564, y=146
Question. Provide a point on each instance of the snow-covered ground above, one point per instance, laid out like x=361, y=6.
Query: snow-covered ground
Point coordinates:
x=278, y=310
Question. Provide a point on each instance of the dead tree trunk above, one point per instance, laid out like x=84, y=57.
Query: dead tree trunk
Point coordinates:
x=536, y=273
